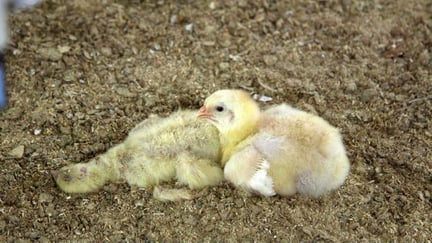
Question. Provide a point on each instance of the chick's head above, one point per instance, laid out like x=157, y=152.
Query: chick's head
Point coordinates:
x=233, y=112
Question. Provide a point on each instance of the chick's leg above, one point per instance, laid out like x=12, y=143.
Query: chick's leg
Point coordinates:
x=172, y=195
x=143, y=171
x=197, y=172
x=89, y=177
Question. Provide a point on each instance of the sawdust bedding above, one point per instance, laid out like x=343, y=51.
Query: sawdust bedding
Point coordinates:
x=81, y=74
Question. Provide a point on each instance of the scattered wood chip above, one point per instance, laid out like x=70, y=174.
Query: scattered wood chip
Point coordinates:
x=17, y=152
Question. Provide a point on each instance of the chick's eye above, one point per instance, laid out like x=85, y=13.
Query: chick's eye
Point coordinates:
x=219, y=108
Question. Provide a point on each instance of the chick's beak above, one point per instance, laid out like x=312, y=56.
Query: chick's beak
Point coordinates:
x=204, y=113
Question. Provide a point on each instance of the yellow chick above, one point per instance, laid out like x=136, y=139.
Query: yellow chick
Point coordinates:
x=291, y=150
x=236, y=116
x=157, y=150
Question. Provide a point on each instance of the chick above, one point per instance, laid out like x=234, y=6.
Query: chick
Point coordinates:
x=289, y=150
x=157, y=150
x=236, y=116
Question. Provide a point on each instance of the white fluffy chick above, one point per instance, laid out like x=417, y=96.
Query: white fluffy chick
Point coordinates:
x=291, y=151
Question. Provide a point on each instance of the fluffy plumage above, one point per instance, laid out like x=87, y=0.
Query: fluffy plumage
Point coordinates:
x=289, y=150
x=179, y=147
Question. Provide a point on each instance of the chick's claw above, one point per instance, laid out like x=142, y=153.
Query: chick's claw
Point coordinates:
x=55, y=174
x=172, y=195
